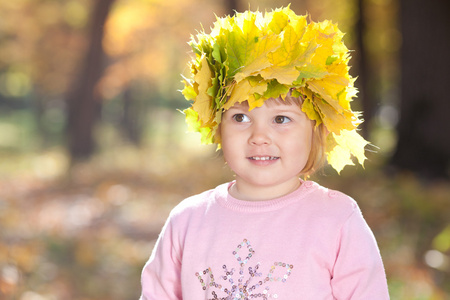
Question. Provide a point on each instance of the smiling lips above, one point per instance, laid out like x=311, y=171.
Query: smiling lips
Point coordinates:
x=264, y=157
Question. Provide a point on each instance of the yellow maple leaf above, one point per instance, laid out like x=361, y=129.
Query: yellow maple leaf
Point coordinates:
x=333, y=120
x=289, y=50
x=339, y=157
x=259, y=53
x=309, y=108
x=288, y=60
x=343, y=146
x=278, y=20
x=241, y=40
x=244, y=91
x=330, y=46
x=352, y=140
x=330, y=88
x=284, y=75
x=188, y=90
x=202, y=104
x=195, y=125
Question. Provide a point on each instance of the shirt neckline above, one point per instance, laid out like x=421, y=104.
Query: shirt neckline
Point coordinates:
x=226, y=200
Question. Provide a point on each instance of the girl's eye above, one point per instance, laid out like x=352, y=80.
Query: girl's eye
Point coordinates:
x=241, y=118
x=281, y=119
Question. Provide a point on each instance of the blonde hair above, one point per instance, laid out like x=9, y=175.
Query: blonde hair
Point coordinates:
x=316, y=159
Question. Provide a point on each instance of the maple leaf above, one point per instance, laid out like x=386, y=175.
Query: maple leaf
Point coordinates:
x=333, y=120
x=289, y=59
x=195, y=125
x=279, y=20
x=310, y=71
x=275, y=89
x=263, y=46
x=202, y=103
x=189, y=92
x=310, y=108
x=245, y=90
x=289, y=51
x=241, y=40
x=337, y=156
x=350, y=139
x=330, y=89
x=343, y=146
x=329, y=38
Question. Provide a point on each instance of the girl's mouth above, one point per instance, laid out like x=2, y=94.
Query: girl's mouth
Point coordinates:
x=264, y=157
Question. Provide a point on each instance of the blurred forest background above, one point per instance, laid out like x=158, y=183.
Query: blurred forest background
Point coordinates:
x=93, y=153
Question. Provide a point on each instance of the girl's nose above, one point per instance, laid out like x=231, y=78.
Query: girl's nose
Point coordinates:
x=259, y=136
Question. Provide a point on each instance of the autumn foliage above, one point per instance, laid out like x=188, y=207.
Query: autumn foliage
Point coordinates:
x=83, y=231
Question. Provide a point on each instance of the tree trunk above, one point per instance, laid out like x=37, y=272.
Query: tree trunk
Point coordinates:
x=231, y=6
x=364, y=95
x=84, y=103
x=423, y=131
x=132, y=117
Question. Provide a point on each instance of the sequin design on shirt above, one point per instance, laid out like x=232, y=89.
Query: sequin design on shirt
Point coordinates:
x=246, y=282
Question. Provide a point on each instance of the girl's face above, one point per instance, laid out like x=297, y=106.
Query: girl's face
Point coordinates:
x=267, y=148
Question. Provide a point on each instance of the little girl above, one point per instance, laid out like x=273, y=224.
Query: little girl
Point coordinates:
x=272, y=91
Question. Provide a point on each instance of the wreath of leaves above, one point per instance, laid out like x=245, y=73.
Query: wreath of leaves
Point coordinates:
x=253, y=57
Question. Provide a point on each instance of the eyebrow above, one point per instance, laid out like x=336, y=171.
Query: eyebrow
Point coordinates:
x=284, y=110
x=277, y=108
x=240, y=107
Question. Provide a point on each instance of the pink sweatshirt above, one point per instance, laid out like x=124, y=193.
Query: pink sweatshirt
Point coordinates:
x=310, y=244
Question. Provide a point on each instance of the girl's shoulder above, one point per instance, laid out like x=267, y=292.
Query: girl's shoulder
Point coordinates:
x=329, y=199
x=199, y=203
